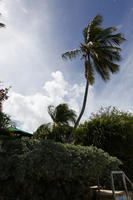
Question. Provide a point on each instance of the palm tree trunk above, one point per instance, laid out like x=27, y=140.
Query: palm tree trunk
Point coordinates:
x=83, y=106
x=70, y=139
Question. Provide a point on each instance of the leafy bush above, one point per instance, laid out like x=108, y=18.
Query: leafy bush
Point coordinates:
x=57, y=133
x=4, y=120
x=34, y=169
x=111, y=130
x=43, y=131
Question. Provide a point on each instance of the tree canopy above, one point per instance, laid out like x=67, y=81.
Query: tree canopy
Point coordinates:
x=62, y=114
x=111, y=130
x=60, y=130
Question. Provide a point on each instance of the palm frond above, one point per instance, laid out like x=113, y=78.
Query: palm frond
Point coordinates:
x=71, y=54
x=114, y=68
x=64, y=115
x=104, y=73
x=61, y=114
x=96, y=21
x=71, y=116
x=98, y=45
x=113, y=39
x=85, y=35
x=90, y=34
x=105, y=32
x=101, y=67
x=112, y=54
x=104, y=67
x=94, y=26
x=110, y=66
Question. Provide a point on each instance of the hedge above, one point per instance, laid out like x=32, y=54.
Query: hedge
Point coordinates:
x=35, y=170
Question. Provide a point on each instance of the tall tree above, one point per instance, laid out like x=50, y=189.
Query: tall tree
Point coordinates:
x=100, y=51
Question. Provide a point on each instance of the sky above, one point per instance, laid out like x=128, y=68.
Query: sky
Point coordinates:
x=36, y=34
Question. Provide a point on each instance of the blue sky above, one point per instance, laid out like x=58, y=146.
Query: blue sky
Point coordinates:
x=37, y=33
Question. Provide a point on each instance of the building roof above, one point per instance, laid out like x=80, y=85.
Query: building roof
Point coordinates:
x=18, y=131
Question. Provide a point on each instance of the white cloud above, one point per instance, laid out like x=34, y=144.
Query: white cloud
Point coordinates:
x=56, y=88
x=119, y=26
x=31, y=110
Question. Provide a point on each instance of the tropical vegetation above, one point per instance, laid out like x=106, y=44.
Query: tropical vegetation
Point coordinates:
x=5, y=120
x=62, y=114
x=38, y=169
x=60, y=130
x=111, y=130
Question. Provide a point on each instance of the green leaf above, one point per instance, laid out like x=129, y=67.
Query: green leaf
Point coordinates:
x=71, y=54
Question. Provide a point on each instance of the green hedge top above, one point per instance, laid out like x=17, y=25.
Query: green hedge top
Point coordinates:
x=50, y=161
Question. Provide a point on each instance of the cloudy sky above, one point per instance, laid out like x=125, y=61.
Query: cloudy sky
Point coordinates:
x=36, y=34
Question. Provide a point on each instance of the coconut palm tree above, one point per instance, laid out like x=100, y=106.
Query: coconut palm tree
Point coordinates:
x=62, y=117
x=62, y=114
x=60, y=130
x=100, y=52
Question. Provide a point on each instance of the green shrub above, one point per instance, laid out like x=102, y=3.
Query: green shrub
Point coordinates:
x=5, y=121
x=33, y=169
x=112, y=131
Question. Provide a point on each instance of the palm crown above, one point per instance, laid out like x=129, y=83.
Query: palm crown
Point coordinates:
x=62, y=114
x=100, y=50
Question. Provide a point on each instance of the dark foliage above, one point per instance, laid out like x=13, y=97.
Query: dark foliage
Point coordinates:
x=5, y=121
x=60, y=130
x=37, y=170
x=111, y=130
x=62, y=114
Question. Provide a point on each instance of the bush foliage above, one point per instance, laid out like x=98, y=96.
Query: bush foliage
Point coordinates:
x=34, y=169
x=5, y=121
x=111, y=130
